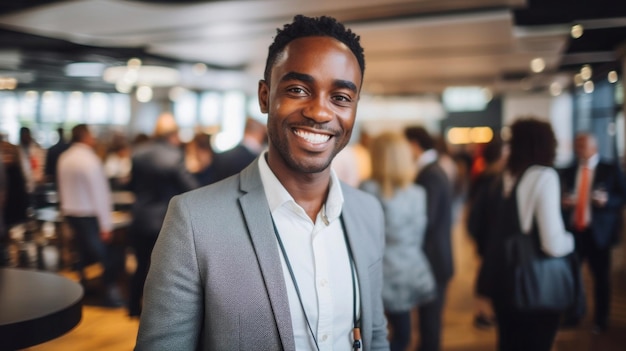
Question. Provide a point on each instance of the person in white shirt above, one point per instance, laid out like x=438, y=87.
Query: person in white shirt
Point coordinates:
x=86, y=205
x=530, y=180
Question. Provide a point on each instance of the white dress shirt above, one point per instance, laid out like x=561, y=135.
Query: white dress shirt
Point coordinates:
x=83, y=187
x=318, y=256
x=539, y=198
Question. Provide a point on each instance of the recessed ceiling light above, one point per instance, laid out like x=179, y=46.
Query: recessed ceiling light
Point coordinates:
x=134, y=63
x=144, y=93
x=577, y=31
x=586, y=72
x=199, y=69
x=537, y=65
x=155, y=76
x=578, y=79
x=556, y=89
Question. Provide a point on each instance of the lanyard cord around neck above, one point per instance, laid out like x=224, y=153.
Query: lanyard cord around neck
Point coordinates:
x=356, y=323
x=356, y=330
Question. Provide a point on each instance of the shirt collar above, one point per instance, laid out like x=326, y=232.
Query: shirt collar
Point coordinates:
x=427, y=157
x=277, y=195
x=592, y=162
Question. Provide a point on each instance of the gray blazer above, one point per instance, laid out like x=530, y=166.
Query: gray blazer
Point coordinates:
x=216, y=281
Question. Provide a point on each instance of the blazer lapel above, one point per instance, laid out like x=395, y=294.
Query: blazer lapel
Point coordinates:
x=257, y=215
x=353, y=228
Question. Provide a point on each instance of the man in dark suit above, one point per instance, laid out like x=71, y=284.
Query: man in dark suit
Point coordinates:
x=158, y=173
x=235, y=160
x=52, y=157
x=437, y=242
x=593, y=195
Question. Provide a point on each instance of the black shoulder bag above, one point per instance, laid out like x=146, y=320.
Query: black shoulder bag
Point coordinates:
x=536, y=281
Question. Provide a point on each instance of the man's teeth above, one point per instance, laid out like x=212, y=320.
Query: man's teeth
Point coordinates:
x=312, y=138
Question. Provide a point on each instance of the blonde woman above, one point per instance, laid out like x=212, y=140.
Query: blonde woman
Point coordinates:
x=407, y=278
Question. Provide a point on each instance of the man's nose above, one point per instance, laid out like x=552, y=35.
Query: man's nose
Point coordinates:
x=318, y=109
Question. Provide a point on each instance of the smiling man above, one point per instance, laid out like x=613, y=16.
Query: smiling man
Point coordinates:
x=281, y=256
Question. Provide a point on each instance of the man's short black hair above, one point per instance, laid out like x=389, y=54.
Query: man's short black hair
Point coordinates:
x=420, y=136
x=79, y=132
x=303, y=26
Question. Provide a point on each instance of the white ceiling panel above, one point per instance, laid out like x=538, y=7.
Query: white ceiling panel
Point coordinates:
x=410, y=45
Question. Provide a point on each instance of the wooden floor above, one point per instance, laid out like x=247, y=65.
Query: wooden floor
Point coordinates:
x=111, y=330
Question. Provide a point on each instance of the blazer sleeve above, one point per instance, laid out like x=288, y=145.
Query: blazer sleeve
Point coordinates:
x=173, y=298
x=616, y=188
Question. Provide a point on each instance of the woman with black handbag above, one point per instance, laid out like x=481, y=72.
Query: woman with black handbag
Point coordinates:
x=526, y=268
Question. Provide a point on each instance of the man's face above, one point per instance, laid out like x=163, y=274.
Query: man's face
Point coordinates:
x=585, y=147
x=416, y=150
x=311, y=102
x=90, y=140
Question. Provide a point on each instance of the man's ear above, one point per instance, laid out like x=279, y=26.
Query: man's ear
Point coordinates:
x=264, y=96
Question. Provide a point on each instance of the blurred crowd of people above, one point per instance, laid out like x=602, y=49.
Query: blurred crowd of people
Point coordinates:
x=83, y=173
x=421, y=185
x=575, y=210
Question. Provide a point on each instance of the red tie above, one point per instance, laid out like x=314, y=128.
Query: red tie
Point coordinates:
x=581, y=203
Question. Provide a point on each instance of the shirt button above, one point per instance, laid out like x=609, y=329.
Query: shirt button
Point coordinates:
x=323, y=283
x=324, y=337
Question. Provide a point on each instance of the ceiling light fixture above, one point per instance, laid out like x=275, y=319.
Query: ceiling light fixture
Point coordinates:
x=556, y=89
x=134, y=74
x=134, y=63
x=468, y=98
x=586, y=72
x=537, y=65
x=144, y=93
x=155, y=76
x=84, y=69
x=578, y=79
x=199, y=69
x=8, y=83
x=176, y=92
x=577, y=31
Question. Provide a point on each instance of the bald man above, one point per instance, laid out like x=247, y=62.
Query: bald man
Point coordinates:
x=593, y=195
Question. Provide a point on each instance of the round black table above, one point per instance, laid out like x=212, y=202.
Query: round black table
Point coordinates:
x=36, y=307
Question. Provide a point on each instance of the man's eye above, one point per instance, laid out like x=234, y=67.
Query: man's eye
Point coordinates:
x=342, y=98
x=296, y=90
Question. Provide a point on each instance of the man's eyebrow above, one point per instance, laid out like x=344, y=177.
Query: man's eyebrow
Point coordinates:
x=340, y=83
x=297, y=76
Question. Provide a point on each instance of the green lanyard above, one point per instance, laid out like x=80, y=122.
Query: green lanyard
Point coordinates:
x=356, y=331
